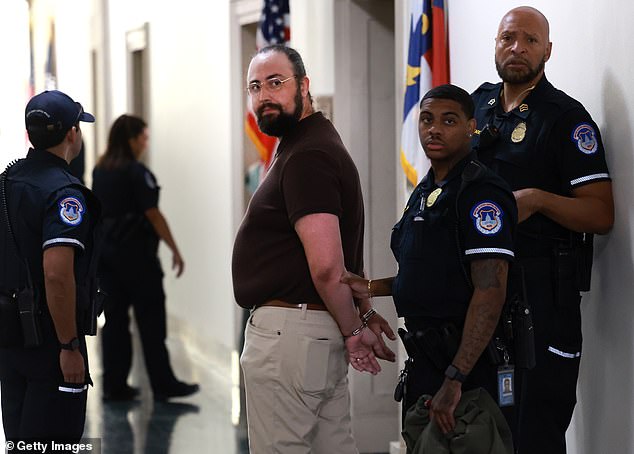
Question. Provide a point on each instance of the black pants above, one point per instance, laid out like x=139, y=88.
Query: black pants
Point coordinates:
x=36, y=402
x=548, y=392
x=143, y=291
x=427, y=378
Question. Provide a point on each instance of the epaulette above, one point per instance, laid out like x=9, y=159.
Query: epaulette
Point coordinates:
x=472, y=171
x=487, y=86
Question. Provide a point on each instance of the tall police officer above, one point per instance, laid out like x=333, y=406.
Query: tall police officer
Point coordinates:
x=453, y=246
x=46, y=240
x=546, y=146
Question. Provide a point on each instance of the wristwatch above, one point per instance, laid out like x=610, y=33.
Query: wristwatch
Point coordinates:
x=453, y=373
x=72, y=345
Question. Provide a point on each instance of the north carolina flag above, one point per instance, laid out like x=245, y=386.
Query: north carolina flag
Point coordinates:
x=273, y=28
x=427, y=67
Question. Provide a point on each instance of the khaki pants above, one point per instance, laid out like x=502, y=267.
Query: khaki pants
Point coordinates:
x=295, y=374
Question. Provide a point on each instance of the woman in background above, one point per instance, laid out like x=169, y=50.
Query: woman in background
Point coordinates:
x=129, y=269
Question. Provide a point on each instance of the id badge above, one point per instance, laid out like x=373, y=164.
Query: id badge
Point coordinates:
x=506, y=386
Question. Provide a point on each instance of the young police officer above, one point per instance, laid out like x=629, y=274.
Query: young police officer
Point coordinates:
x=546, y=146
x=453, y=246
x=46, y=239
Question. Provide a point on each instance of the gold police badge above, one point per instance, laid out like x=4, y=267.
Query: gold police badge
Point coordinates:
x=519, y=133
x=431, y=198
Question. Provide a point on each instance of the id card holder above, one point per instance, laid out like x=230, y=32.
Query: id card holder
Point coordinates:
x=506, y=385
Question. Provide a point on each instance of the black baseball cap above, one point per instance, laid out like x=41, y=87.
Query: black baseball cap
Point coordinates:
x=50, y=114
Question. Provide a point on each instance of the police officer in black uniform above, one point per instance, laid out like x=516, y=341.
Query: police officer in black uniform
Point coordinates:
x=48, y=224
x=546, y=146
x=130, y=270
x=453, y=246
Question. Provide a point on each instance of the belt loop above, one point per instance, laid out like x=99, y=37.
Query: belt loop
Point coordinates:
x=304, y=310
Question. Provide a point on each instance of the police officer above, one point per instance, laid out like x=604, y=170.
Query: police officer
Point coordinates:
x=549, y=150
x=453, y=246
x=133, y=226
x=48, y=225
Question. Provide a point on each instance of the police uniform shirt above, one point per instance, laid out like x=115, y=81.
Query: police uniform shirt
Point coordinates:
x=65, y=218
x=130, y=189
x=548, y=142
x=435, y=241
x=126, y=193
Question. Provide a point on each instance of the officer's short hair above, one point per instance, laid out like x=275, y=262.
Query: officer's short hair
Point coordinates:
x=49, y=115
x=454, y=93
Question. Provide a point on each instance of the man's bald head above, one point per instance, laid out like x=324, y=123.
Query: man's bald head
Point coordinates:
x=530, y=13
x=522, y=46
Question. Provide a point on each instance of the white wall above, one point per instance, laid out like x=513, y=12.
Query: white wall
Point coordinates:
x=312, y=34
x=73, y=63
x=14, y=40
x=191, y=136
x=592, y=61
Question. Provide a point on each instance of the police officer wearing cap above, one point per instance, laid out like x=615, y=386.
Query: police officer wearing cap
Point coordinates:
x=549, y=150
x=453, y=246
x=47, y=244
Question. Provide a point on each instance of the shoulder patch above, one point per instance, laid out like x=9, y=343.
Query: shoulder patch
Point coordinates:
x=71, y=211
x=149, y=180
x=585, y=137
x=487, y=217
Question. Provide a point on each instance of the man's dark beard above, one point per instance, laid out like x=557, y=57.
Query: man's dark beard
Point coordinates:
x=280, y=125
x=512, y=77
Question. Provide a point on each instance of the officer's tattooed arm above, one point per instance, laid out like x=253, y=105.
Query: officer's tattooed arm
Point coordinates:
x=489, y=291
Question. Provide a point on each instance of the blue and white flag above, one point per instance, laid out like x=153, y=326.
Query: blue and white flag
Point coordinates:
x=427, y=67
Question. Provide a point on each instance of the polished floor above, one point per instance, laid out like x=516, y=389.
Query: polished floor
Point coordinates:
x=201, y=423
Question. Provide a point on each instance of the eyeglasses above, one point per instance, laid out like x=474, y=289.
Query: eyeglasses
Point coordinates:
x=273, y=84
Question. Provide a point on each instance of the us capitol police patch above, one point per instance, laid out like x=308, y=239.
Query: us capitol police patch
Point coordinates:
x=487, y=217
x=586, y=138
x=71, y=211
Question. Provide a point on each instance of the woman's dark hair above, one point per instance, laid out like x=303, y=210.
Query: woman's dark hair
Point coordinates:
x=118, y=151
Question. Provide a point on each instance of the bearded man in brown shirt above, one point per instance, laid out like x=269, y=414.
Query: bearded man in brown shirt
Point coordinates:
x=303, y=229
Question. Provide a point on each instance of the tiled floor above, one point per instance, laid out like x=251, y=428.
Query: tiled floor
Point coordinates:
x=197, y=424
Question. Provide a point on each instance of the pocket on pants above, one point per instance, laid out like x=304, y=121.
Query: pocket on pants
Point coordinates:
x=321, y=365
x=259, y=359
x=263, y=325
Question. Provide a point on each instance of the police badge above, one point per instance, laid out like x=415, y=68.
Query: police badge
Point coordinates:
x=519, y=132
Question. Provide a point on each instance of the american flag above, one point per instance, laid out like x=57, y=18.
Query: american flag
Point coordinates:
x=274, y=28
x=275, y=23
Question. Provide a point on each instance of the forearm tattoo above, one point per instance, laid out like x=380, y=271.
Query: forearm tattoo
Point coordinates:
x=489, y=281
x=488, y=273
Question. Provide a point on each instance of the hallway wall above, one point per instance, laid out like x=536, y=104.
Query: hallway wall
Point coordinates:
x=13, y=29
